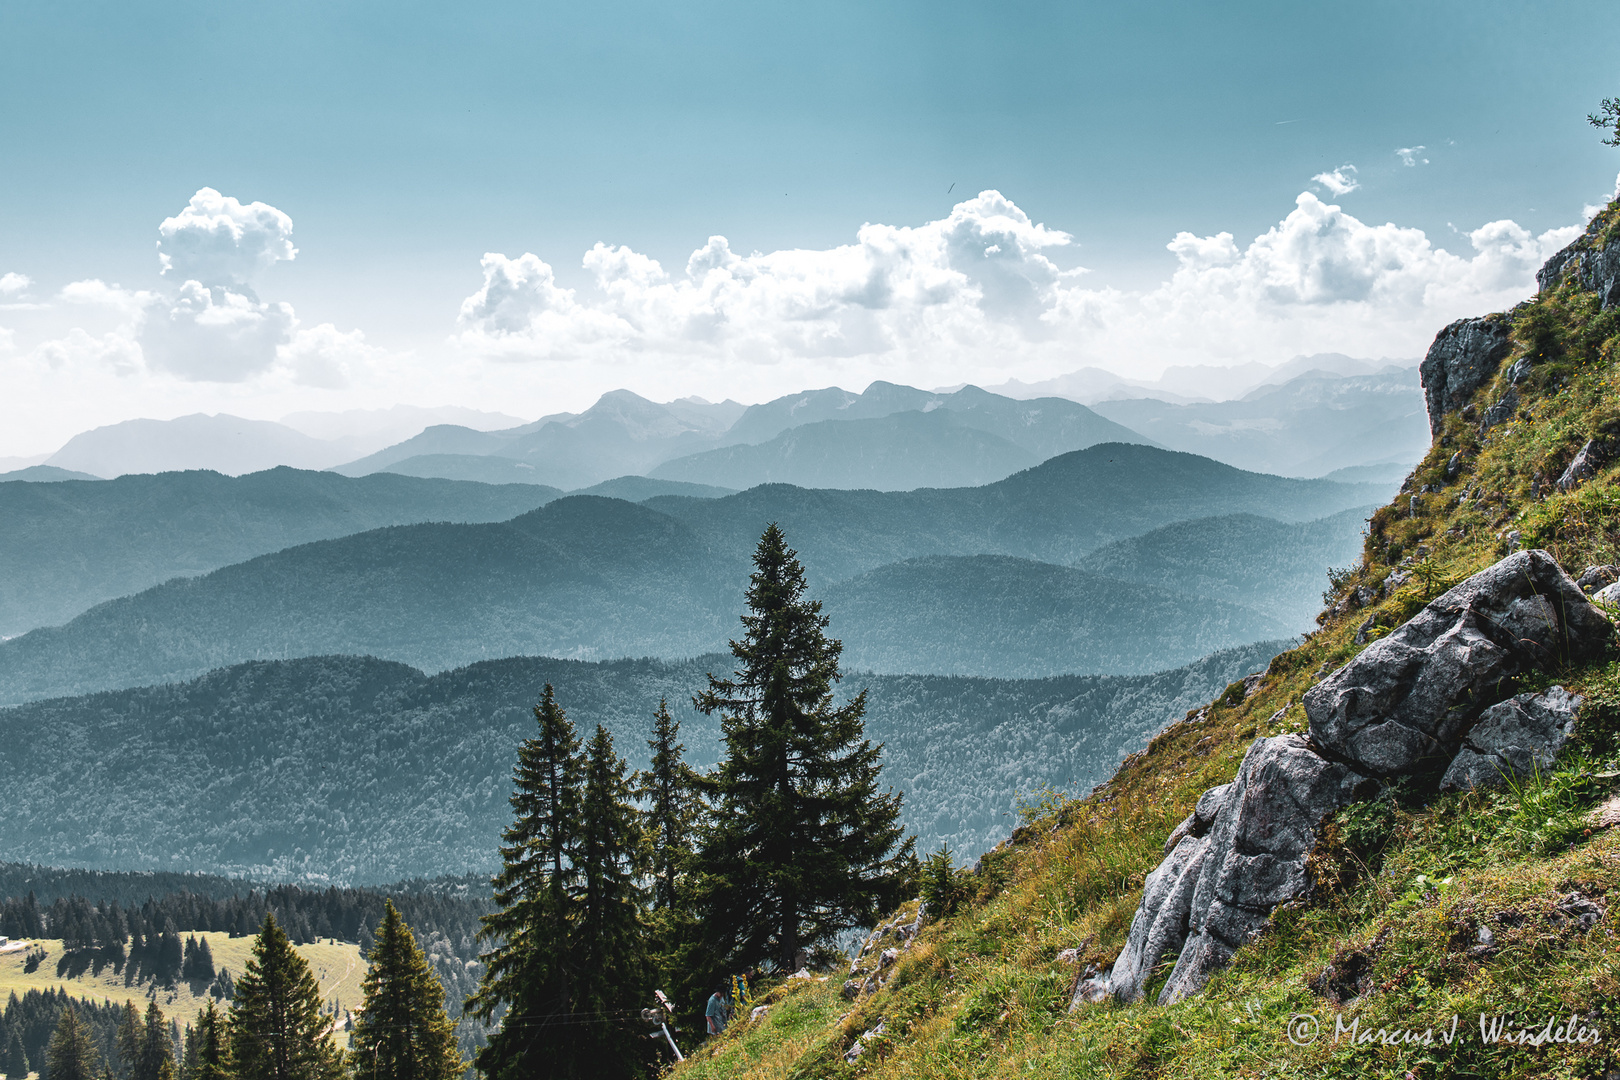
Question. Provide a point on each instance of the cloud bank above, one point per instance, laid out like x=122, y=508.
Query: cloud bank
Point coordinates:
x=978, y=294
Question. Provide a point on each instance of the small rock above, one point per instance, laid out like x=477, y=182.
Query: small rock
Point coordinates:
x=1516, y=738
x=889, y=956
x=1454, y=466
x=854, y=1052
x=802, y=973
x=759, y=1011
x=1609, y=594
x=1070, y=956
x=1591, y=458
x=1362, y=630
x=852, y=989
x=1519, y=370
x=1584, y=912
x=1606, y=814
x=1596, y=577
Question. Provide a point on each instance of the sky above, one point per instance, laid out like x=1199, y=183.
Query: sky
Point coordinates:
x=264, y=208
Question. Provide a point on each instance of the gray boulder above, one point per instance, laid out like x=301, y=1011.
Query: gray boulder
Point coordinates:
x=1609, y=594
x=1405, y=702
x=1213, y=892
x=1514, y=739
x=1463, y=358
x=1588, y=263
x=1594, y=578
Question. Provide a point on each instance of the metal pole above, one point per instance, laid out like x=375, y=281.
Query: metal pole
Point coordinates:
x=672, y=1045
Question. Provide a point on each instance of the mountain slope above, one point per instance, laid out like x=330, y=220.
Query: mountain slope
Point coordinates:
x=994, y=615
x=224, y=443
x=370, y=771
x=67, y=546
x=1266, y=565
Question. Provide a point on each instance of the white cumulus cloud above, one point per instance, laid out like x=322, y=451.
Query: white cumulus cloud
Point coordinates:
x=1341, y=181
x=218, y=240
x=216, y=334
x=326, y=357
x=14, y=284
x=1412, y=156
x=977, y=295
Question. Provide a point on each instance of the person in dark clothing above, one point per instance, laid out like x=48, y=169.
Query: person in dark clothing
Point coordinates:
x=718, y=1011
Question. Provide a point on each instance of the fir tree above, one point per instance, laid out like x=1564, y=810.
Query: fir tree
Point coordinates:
x=607, y=939
x=71, y=1055
x=16, y=1061
x=668, y=789
x=155, y=1050
x=529, y=971
x=211, y=1046
x=277, y=1031
x=802, y=845
x=131, y=1034
x=403, y=1032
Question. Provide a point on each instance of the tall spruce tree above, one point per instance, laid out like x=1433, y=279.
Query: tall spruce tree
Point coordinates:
x=155, y=1050
x=668, y=790
x=209, y=1060
x=15, y=1062
x=607, y=939
x=403, y=1032
x=801, y=845
x=277, y=1031
x=130, y=1038
x=71, y=1055
x=529, y=971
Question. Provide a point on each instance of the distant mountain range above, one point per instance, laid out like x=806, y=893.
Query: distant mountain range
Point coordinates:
x=596, y=578
x=232, y=445
x=366, y=771
x=67, y=546
x=1309, y=426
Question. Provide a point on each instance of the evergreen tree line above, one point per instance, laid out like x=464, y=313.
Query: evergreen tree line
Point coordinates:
x=616, y=884
x=278, y=1027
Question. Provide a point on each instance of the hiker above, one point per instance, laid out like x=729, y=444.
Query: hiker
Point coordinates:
x=718, y=1012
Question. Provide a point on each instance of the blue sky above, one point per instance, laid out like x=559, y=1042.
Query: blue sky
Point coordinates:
x=406, y=140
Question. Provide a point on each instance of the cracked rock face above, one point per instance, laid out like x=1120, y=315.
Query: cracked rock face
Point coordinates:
x=1213, y=892
x=1464, y=356
x=1591, y=266
x=1423, y=696
x=1514, y=739
x=1404, y=704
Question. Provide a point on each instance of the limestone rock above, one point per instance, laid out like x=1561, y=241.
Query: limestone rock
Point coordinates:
x=1405, y=703
x=1609, y=594
x=1588, y=460
x=1590, y=265
x=1212, y=892
x=1594, y=578
x=1463, y=358
x=1514, y=739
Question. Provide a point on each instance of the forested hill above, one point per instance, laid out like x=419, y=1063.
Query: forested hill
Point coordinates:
x=367, y=771
x=596, y=578
x=67, y=546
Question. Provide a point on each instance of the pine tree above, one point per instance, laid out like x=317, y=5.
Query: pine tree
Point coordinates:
x=668, y=788
x=71, y=1055
x=802, y=845
x=403, y=1032
x=277, y=1031
x=16, y=1061
x=529, y=969
x=607, y=940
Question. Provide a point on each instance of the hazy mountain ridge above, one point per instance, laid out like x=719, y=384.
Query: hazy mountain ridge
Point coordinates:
x=369, y=771
x=597, y=578
x=67, y=546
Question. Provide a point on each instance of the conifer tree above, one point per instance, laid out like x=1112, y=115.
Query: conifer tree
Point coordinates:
x=668, y=789
x=607, y=939
x=403, y=1032
x=71, y=1055
x=211, y=1046
x=801, y=845
x=130, y=1038
x=16, y=1060
x=277, y=1031
x=155, y=1050
x=530, y=971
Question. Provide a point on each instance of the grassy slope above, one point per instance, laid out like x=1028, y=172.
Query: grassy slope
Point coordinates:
x=1404, y=884
x=338, y=968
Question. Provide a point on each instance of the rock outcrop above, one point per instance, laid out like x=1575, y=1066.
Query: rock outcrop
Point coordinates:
x=1464, y=356
x=1514, y=738
x=1589, y=262
x=1423, y=697
x=1403, y=705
